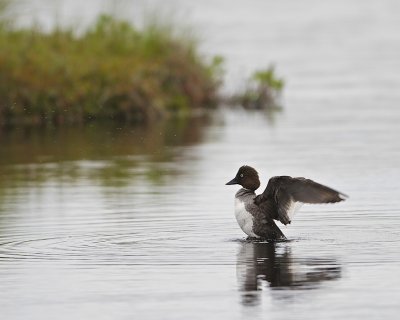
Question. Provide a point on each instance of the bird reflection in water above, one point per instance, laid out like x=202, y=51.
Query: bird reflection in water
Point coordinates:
x=261, y=264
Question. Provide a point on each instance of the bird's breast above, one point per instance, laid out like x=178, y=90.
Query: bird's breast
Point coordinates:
x=244, y=218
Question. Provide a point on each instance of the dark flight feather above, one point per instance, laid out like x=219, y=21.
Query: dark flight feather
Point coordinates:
x=283, y=192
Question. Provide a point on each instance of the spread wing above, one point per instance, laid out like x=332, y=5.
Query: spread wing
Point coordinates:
x=287, y=194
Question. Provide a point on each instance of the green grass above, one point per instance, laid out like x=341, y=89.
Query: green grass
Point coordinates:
x=263, y=90
x=111, y=71
x=268, y=78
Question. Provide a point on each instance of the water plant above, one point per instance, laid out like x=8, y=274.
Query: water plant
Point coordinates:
x=263, y=90
x=113, y=70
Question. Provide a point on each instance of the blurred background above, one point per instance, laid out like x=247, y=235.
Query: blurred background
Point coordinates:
x=121, y=121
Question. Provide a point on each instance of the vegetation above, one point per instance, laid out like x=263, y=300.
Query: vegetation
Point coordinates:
x=111, y=71
x=263, y=90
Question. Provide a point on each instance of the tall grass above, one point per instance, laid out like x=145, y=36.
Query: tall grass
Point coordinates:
x=263, y=90
x=111, y=71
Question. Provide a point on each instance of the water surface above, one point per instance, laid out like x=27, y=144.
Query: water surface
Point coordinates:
x=119, y=222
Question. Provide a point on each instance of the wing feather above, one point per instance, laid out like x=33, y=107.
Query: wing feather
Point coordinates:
x=289, y=193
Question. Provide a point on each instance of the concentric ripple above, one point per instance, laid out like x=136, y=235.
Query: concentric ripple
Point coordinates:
x=90, y=248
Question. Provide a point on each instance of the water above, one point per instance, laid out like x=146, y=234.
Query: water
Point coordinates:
x=113, y=222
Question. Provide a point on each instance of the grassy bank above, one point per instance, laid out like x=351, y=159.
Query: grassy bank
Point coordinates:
x=111, y=71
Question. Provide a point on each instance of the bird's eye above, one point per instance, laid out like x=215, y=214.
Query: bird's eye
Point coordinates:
x=241, y=175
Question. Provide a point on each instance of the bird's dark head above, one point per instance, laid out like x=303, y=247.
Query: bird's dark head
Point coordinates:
x=247, y=177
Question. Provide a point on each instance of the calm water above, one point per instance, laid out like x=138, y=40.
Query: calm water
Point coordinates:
x=109, y=222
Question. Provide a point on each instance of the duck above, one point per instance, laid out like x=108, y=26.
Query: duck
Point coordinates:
x=281, y=199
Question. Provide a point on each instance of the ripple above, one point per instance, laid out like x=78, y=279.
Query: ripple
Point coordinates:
x=95, y=248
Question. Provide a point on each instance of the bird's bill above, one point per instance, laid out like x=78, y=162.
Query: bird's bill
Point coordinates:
x=233, y=181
